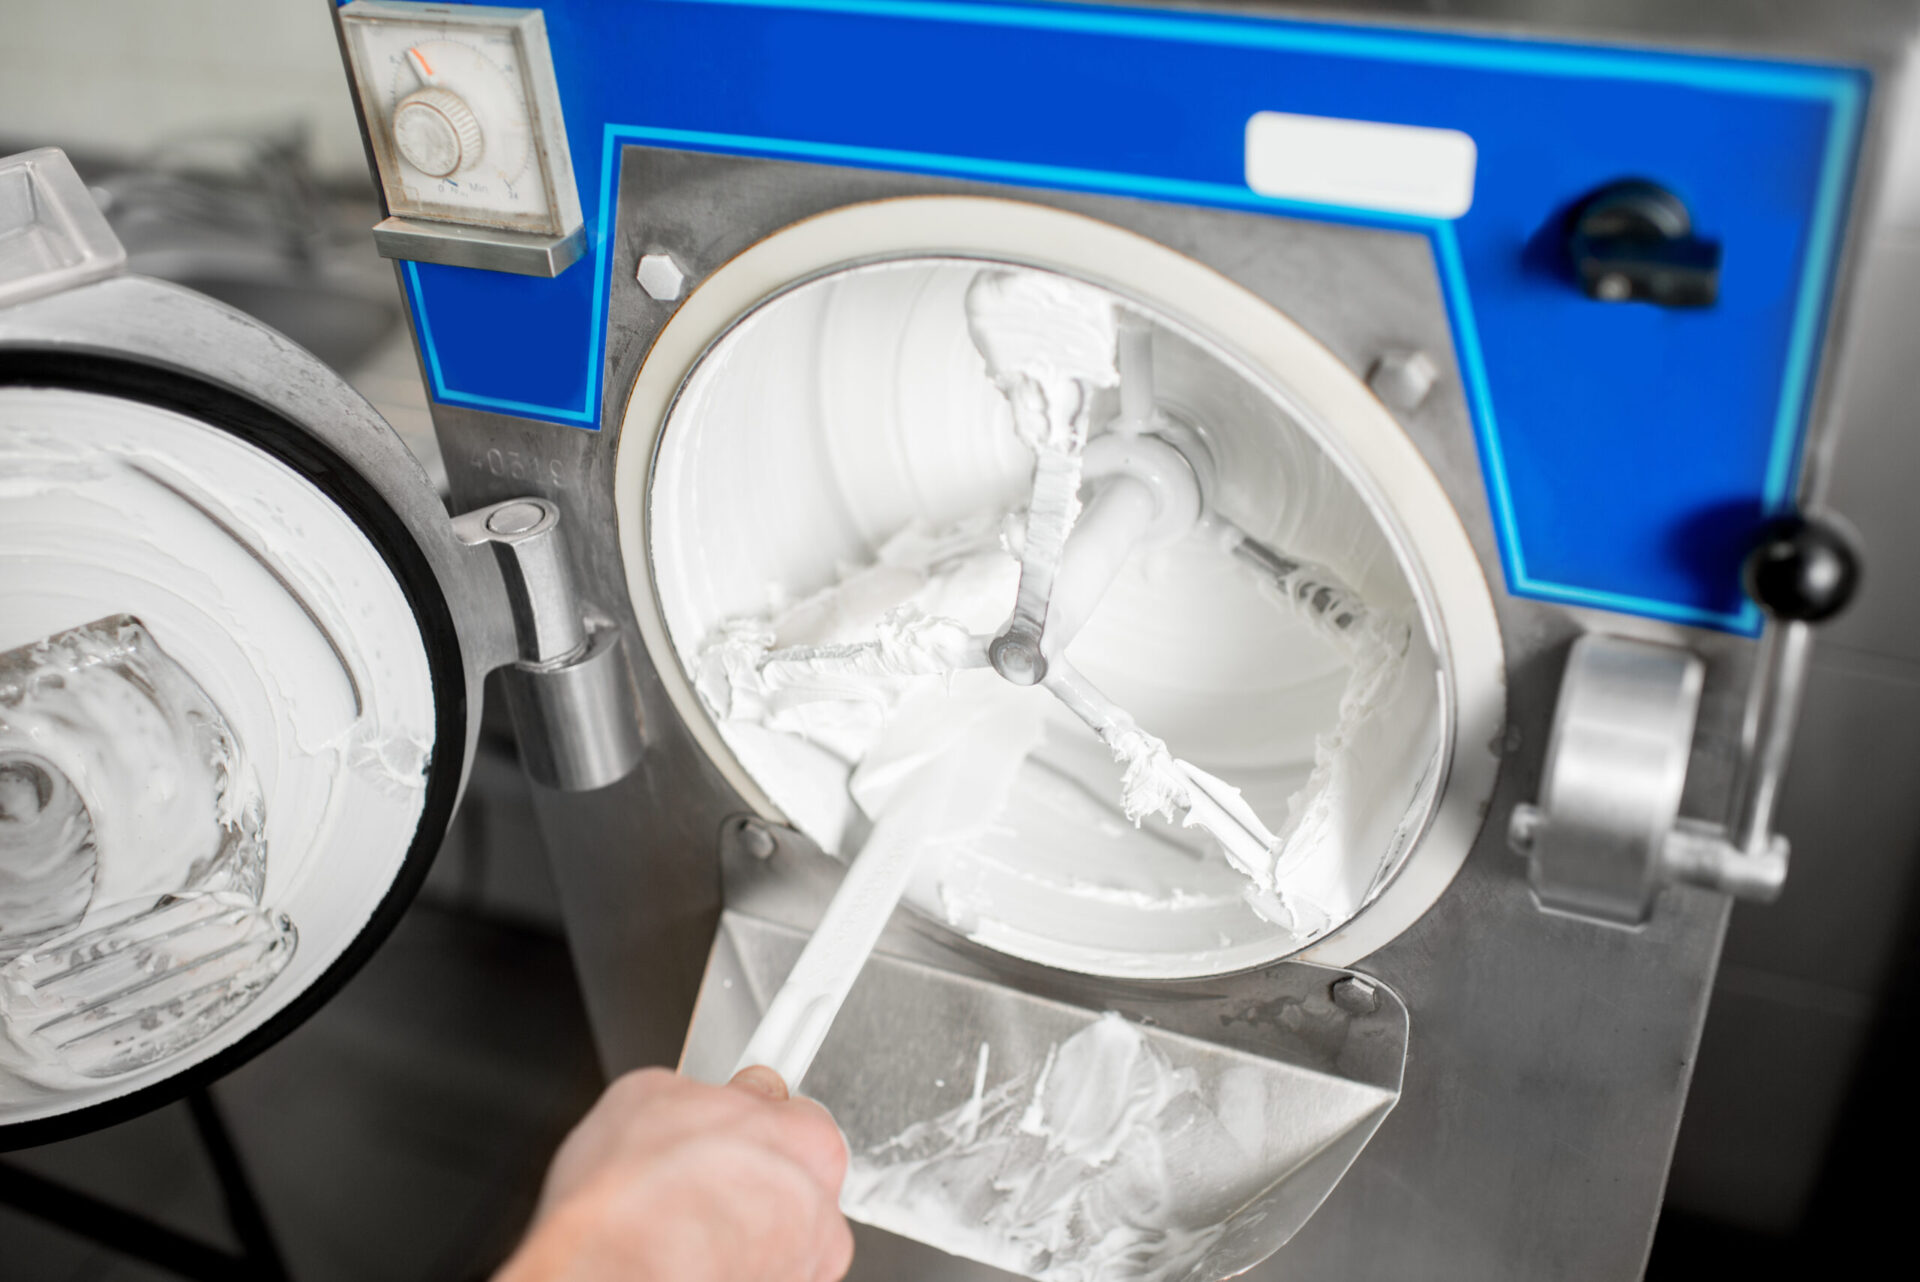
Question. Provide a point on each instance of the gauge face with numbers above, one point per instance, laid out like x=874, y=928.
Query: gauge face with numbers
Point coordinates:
x=463, y=114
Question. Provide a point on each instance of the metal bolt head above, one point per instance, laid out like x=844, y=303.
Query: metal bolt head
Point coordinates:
x=757, y=839
x=1403, y=379
x=1355, y=995
x=514, y=518
x=1523, y=828
x=661, y=277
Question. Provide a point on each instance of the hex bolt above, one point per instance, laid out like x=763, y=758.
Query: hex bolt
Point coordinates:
x=1355, y=995
x=1523, y=828
x=1403, y=379
x=661, y=277
x=757, y=839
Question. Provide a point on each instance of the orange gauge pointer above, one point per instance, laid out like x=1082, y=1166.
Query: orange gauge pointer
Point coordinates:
x=420, y=64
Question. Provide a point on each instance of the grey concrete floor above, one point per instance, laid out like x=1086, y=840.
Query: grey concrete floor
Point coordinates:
x=400, y=1134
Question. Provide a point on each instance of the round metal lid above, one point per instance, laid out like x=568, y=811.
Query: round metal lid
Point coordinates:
x=233, y=724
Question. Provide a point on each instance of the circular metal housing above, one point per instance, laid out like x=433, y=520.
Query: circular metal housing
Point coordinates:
x=1335, y=430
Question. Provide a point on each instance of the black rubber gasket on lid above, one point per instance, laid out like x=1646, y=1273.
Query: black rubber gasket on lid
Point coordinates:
x=270, y=431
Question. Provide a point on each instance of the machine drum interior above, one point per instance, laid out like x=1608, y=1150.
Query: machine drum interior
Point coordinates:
x=1237, y=727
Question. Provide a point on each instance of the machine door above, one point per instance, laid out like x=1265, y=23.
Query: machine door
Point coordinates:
x=233, y=708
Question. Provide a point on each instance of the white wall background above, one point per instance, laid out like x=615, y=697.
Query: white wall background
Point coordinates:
x=115, y=77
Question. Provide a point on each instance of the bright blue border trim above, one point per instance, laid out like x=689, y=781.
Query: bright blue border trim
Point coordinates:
x=1838, y=87
x=1806, y=331
x=1493, y=465
x=1059, y=177
x=584, y=417
x=1809, y=318
x=1440, y=234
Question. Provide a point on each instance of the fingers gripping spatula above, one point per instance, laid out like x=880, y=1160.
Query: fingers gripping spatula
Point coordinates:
x=940, y=772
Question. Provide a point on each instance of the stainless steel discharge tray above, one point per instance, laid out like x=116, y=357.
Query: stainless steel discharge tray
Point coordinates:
x=1321, y=1050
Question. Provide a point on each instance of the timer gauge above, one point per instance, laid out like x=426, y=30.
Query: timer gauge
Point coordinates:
x=463, y=112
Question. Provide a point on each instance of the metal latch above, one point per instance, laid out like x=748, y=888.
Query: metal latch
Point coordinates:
x=1606, y=835
x=572, y=696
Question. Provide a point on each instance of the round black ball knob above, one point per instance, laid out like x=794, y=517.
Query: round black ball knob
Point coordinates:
x=1802, y=570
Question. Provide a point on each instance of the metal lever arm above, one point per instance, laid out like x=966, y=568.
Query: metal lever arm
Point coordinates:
x=572, y=697
x=1802, y=573
x=1606, y=836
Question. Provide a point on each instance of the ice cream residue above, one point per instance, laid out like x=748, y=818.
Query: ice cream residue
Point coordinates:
x=808, y=672
x=104, y=715
x=205, y=660
x=1106, y=1164
x=833, y=534
x=1049, y=344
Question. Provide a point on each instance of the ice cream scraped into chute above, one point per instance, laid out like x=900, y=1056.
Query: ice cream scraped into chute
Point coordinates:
x=954, y=622
x=939, y=771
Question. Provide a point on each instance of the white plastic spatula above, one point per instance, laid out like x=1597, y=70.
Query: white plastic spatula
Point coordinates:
x=940, y=771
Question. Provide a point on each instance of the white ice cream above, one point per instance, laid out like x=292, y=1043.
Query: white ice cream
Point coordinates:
x=1049, y=345
x=833, y=511
x=103, y=711
x=839, y=695
x=287, y=621
x=1106, y=1164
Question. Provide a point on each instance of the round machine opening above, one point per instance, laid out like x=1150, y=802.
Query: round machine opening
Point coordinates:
x=1230, y=728
x=218, y=727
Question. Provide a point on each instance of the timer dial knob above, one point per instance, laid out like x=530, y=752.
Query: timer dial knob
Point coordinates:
x=437, y=132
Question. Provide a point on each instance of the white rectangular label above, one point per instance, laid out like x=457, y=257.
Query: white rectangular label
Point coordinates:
x=1403, y=169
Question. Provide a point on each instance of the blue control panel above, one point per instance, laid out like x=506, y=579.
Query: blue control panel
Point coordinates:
x=1630, y=450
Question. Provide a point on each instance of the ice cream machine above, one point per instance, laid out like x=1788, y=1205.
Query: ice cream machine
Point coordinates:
x=1308, y=516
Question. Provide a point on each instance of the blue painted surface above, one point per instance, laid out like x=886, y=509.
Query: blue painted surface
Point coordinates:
x=1628, y=451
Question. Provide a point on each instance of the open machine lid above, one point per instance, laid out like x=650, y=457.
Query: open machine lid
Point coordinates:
x=233, y=703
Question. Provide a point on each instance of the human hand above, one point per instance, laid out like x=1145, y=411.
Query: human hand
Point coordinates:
x=670, y=1180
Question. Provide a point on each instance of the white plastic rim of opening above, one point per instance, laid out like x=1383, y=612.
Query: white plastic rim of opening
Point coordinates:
x=819, y=392
x=277, y=605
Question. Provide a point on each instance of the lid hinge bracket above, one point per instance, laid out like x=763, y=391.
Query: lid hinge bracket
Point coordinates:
x=574, y=705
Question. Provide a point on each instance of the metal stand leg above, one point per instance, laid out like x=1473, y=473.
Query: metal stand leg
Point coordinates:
x=124, y=1232
x=259, y=1252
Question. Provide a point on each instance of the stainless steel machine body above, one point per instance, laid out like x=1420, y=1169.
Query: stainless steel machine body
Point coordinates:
x=1529, y=1066
x=1548, y=1057
x=1490, y=1087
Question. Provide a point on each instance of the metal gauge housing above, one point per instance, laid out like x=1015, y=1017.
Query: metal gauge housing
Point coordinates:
x=463, y=114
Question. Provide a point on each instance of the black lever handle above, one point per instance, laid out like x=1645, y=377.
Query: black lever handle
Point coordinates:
x=1802, y=570
x=1633, y=241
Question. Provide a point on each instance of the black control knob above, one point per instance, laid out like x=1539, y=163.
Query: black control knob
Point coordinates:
x=1802, y=570
x=1633, y=241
